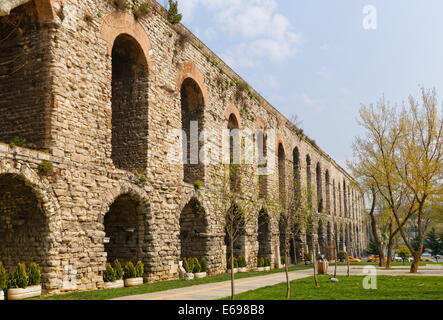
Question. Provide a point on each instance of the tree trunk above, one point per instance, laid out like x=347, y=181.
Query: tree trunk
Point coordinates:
x=231, y=244
x=347, y=262
x=295, y=250
x=415, y=262
x=336, y=258
x=389, y=258
x=314, y=261
x=288, y=284
x=381, y=262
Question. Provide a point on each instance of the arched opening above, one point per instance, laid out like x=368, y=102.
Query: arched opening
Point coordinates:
x=264, y=235
x=192, y=106
x=282, y=175
x=129, y=105
x=328, y=193
x=345, y=199
x=24, y=231
x=309, y=180
x=262, y=162
x=321, y=239
x=124, y=229
x=25, y=64
x=319, y=188
x=235, y=225
x=296, y=173
x=234, y=151
x=193, y=228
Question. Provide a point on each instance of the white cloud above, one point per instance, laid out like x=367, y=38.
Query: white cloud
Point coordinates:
x=325, y=73
x=254, y=27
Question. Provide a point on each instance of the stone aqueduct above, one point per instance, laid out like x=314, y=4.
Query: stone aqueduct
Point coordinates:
x=100, y=90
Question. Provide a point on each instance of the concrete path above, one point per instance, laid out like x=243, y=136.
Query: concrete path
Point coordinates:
x=214, y=291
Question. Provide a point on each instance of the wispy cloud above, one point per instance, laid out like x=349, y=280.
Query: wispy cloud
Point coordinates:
x=255, y=28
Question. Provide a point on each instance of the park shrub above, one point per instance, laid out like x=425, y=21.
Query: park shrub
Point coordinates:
x=34, y=274
x=341, y=255
x=267, y=262
x=195, y=265
x=242, y=262
x=308, y=256
x=130, y=271
x=18, y=279
x=109, y=274
x=283, y=260
x=3, y=276
x=203, y=265
x=261, y=262
x=139, y=269
x=118, y=270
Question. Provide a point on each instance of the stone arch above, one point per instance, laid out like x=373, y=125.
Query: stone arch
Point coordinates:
x=262, y=148
x=194, y=226
x=319, y=187
x=264, y=234
x=117, y=23
x=129, y=105
x=126, y=219
x=232, y=110
x=188, y=70
x=192, y=110
x=30, y=226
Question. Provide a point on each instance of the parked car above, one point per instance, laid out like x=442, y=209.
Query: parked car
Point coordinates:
x=425, y=259
x=351, y=259
x=375, y=259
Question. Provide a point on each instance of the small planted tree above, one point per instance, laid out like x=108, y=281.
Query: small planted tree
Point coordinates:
x=34, y=274
x=109, y=273
x=118, y=270
x=139, y=269
x=19, y=279
x=404, y=253
x=3, y=277
x=203, y=265
x=130, y=271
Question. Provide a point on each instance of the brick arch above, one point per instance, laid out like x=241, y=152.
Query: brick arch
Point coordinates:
x=123, y=188
x=42, y=191
x=232, y=109
x=188, y=69
x=279, y=140
x=119, y=22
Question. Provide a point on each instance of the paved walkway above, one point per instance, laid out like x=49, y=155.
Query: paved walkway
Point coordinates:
x=214, y=291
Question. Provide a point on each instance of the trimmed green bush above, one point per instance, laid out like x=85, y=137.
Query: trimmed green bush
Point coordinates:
x=109, y=274
x=34, y=274
x=235, y=263
x=242, y=262
x=10, y=281
x=267, y=262
x=19, y=278
x=3, y=276
x=341, y=255
x=203, y=265
x=139, y=269
x=307, y=256
x=261, y=262
x=118, y=270
x=186, y=265
x=195, y=265
x=130, y=271
x=283, y=259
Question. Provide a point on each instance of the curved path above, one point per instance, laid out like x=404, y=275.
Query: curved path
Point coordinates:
x=219, y=290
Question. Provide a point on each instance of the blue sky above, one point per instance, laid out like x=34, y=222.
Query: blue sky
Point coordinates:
x=314, y=58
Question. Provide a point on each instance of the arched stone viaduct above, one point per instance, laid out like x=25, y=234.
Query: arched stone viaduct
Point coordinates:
x=96, y=92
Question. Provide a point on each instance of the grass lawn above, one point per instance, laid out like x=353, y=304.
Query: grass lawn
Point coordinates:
x=393, y=264
x=388, y=288
x=157, y=286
